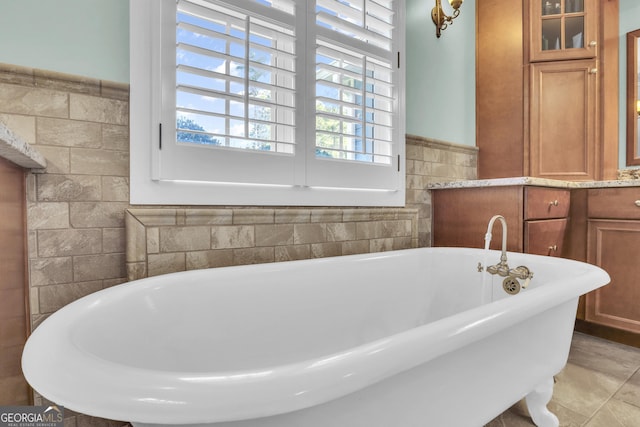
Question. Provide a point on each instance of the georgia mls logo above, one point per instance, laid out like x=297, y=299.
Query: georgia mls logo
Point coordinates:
x=55, y=412
x=31, y=416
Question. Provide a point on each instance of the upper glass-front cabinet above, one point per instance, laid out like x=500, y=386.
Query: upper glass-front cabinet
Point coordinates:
x=563, y=29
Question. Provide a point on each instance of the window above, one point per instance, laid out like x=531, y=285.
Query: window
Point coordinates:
x=258, y=102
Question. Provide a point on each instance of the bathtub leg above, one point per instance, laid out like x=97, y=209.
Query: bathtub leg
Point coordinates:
x=537, y=403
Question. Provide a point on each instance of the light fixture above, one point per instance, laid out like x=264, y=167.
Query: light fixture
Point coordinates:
x=441, y=19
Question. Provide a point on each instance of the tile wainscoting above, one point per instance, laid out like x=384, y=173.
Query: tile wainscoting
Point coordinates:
x=167, y=240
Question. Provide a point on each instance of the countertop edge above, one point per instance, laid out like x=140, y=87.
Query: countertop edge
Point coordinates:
x=16, y=150
x=532, y=181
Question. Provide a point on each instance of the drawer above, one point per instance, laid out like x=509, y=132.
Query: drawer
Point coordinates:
x=614, y=203
x=541, y=203
x=545, y=237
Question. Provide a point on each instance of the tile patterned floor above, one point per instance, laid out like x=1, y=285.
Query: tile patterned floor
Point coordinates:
x=599, y=387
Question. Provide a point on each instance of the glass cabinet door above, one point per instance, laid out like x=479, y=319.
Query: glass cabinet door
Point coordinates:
x=563, y=29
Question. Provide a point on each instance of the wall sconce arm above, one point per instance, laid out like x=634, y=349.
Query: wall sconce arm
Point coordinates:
x=441, y=19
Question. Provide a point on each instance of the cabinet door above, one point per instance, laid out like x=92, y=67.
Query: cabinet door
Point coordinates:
x=545, y=237
x=563, y=29
x=615, y=246
x=563, y=121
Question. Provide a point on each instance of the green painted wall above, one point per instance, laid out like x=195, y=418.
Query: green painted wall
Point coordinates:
x=88, y=38
x=629, y=21
x=441, y=92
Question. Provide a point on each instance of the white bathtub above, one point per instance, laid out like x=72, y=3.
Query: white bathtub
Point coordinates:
x=387, y=339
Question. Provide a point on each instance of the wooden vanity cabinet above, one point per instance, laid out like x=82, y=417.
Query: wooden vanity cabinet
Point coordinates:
x=536, y=217
x=547, y=89
x=613, y=243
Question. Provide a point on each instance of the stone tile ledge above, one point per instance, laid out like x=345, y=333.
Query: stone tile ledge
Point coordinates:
x=439, y=144
x=532, y=181
x=16, y=150
x=53, y=80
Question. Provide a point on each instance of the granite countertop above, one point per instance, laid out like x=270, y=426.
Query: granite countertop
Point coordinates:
x=16, y=150
x=536, y=182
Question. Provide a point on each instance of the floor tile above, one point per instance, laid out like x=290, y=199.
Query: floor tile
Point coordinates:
x=599, y=387
x=616, y=413
x=567, y=417
x=583, y=390
x=630, y=391
x=518, y=416
x=596, y=354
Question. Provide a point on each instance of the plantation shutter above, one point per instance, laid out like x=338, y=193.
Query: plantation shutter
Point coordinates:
x=293, y=98
x=230, y=92
x=356, y=131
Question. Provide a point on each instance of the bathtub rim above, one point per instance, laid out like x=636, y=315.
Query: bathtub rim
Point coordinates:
x=331, y=376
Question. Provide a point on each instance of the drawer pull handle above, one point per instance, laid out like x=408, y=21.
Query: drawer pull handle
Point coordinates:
x=637, y=203
x=555, y=203
x=553, y=248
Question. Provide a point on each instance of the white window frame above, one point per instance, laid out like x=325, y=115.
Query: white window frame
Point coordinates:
x=145, y=113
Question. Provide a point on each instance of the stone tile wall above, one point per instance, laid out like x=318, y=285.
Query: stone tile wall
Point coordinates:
x=429, y=161
x=167, y=240
x=76, y=207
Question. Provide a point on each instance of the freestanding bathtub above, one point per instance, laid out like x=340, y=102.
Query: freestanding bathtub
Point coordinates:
x=387, y=339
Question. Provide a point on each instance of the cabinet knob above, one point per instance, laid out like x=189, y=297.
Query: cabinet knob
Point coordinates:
x=553, y=248
x=593, y=43
x=593, y=71
x=555, y=203
x=637, y=203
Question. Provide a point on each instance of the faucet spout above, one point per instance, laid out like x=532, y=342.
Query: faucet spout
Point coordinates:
x=487, y=237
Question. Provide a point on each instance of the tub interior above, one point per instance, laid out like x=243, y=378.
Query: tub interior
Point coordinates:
x=261, y=316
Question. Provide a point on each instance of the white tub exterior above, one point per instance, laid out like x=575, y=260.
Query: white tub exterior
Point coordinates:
x=388, y=339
